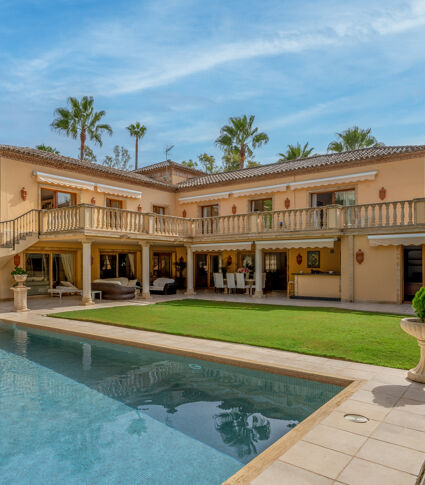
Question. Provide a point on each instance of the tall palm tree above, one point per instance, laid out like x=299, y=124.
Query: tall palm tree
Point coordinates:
x=138, y=131
x=353, y=139
x=240, y=135
x=296, y=151
x=81, y=120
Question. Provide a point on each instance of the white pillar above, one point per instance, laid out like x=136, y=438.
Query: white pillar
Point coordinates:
x=87, y=300
x=258, y=273
x=145, y=270
x=189, y=286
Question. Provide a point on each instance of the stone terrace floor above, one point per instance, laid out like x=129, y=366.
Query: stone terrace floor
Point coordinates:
x=389, y=449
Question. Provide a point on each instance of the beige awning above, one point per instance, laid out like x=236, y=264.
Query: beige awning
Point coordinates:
x=296, y=243
x=397, y=239
x=229, y=246
x=339, y=179
x=110, y=189
x=51, y=179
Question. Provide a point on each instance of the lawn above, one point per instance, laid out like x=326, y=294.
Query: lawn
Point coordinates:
x=371, y=338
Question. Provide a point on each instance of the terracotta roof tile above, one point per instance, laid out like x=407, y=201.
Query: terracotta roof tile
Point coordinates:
x=168, y=163
x=326, y=160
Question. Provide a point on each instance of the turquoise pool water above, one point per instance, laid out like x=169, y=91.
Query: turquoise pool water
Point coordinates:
x=75, y=411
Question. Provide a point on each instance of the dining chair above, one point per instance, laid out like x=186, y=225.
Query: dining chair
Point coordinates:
x=219, y=281
x=231, y=284
x=240, y=282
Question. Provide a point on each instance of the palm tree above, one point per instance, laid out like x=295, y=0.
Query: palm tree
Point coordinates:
x=81, y=119
x=239, y=135
x=353, y=139
x=138, y=131
x=48, y=148
x=295, y=151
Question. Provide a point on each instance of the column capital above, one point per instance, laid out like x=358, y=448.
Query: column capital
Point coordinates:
x=145, y=244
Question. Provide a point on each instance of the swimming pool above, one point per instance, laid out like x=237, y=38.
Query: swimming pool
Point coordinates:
x=77, y=411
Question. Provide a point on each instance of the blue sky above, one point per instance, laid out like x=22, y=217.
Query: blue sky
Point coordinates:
x=304, y=68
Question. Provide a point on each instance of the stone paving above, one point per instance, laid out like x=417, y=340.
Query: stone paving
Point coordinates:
x=389, y=449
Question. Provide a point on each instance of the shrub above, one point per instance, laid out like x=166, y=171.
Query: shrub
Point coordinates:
x=18, y=270
x=418, y=304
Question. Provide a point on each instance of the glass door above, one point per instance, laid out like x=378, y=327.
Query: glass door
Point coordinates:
x=215, y=267
x=413, y=277
x=201, y=273
x=38, y=279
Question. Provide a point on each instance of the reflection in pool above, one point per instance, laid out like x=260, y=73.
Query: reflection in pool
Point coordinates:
x=81, y=411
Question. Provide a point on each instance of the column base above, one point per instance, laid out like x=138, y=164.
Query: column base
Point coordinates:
x=190, y=292
x=20, y=298
x=258, y=294
x=146, y=296
x=87, y=301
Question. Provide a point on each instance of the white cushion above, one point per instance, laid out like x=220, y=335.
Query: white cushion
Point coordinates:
x=110, y=282
x=67, y=283
x=161, y=282
x=131, y=283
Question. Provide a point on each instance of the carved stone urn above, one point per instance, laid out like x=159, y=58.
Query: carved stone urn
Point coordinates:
x=20, y=279
x=416, y=328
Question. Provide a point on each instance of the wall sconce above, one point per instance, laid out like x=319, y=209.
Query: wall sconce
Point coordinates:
x=287, y=203
x=299, y=259
x=229, y=260
x=233, y=209
x=382, y=193
x=24, y=193
x=17, y=260
x=184, y=213
x=139, y=208
x=359, y=256
x=93, y=201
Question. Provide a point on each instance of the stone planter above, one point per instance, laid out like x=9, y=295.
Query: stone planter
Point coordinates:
x=20, y=279
x=416, y=328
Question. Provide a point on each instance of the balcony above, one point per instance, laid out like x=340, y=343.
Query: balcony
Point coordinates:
x=334, y=219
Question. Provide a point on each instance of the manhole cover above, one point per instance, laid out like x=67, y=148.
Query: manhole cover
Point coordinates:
x=356, y=418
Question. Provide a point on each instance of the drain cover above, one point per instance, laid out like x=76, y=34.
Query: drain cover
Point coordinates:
x=356, y=418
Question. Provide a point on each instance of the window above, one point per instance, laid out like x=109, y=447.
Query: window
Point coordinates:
x=37, y=266
x=53, y=199
x=157, y=209
x=118, y=265
x=209, y=210
x=270, y=262
x=261, y=205
x=63, y=268
x=341, y=197
x=162, y=265
x=114, y=203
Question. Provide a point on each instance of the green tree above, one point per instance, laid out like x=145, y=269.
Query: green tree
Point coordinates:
x=239, y=135
x=81, y=120
x=232, y=160
x=89, y=155
x=189, y=163
x=48, y=148
x=208, y=163
x=294, y=152
x=353, y=139
x=137, y=131
x=120, y=160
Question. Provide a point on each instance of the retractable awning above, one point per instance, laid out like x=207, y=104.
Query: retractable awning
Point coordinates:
x=121, y=192
x=48, y=178
x=229, y=246
x=296, y=243
x=397, y=239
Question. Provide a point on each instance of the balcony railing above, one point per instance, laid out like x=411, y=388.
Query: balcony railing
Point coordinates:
x=91, y=219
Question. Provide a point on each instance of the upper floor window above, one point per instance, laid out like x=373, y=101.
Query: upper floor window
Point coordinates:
x=53, y=199
x=261, y=205
x=341, y=197
x=157, y=209
x=209, y=210
x=114, y=203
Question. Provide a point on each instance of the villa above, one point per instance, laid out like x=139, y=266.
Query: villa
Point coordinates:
x=348, y=226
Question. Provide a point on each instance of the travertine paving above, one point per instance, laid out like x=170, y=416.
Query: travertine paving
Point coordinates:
x=389, y=449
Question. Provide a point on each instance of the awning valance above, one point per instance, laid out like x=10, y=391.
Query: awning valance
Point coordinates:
x=397, y=239
x=48, y=178
x=296, y=243
x=198, y=198
x=109, y=189
x=229, y=246
x=353, y=177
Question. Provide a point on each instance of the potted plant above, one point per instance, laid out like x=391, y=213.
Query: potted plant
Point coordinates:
x=180, y=267
x=20, y=275
x=416, y=328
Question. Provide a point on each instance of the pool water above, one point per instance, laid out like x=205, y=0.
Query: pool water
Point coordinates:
x=76, y=411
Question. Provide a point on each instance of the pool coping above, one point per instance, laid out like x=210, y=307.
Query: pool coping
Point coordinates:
x=262, y=461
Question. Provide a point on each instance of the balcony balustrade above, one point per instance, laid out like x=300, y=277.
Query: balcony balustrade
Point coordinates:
x=94, y=220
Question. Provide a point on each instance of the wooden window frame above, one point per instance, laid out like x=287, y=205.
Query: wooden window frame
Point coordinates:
x=55, y=196
x=114, y=200
x=116, y=254
x=333, y=192
x=161, y=207
x=202, y=207
x=251, y=201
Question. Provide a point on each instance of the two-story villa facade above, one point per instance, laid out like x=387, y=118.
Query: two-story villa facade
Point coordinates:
x=348, y=226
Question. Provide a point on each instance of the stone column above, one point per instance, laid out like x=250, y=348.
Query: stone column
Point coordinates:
x=189, y=286
x=258, y=273
x=87, y=300
x=146, y=257
x=351, y=267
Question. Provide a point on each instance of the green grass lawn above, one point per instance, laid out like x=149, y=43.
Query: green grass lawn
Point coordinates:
x=372, y=338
